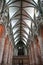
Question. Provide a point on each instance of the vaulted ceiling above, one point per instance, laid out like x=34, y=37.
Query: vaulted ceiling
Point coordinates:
x=22, y=15
x=20, y=20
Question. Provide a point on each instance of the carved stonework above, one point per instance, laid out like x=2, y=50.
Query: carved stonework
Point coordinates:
x=1, y=5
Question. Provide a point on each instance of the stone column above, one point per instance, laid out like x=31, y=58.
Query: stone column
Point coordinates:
x=41, y=39
x=33, y=53
x=10, y=55
x=2, y=40
x=6, y=49
x=30, y=55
